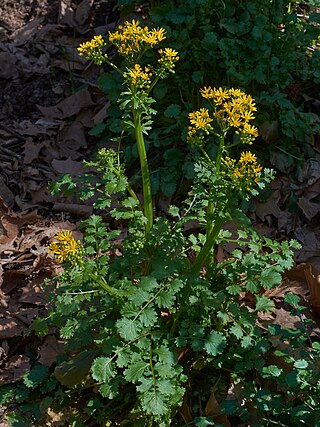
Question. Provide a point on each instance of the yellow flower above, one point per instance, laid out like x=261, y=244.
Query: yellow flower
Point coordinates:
x=131, y=39
x=139, y=77
x=201, y=119
x=66, y=248
x=233, y=108
x=207, y=92
x=246, y=171
x=65, y=236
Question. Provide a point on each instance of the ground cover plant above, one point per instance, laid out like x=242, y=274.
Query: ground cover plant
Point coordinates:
x=150, y=320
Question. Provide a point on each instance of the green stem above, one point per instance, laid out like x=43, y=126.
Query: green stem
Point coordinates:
x=206, y=248
x=113, y=65
x=146, y=184
x=211, y=206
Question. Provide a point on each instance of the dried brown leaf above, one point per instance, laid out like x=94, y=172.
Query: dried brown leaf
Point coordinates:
x=69, y=106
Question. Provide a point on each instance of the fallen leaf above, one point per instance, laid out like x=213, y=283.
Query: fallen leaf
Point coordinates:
x=14, y=369
x=213, y=410
x=50, y=350
x=69, y=106
x=9, y=328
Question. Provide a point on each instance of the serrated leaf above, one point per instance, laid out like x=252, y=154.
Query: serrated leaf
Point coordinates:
x=153, y=403
x=271, y=371
x=37, y=374
x=103, y=369
x=215, y=343
x=246, y=342
x=166, y=355
x=145, y=384
x=301, y=364
x=237, y=253
x=270, y=278
x=98, y=129
x=148, y=317
x=166, y=387
x=138, y=298
x=292, y=299
x=234, y=289
x=135, y=371
x=236, y=331
x=129, y=329
x=264, y=304
x=110, y=390
x=165, y=299
x=148, y=283
x=174, y=211
x=224, y=317
x=203, y=421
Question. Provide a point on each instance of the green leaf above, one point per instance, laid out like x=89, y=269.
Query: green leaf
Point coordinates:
x=236, y=331
x=165, y=299
x=110, y=389
x=98, y=129
x=75, y=370
x=153, y=403
x=271, y=371
x=210, y=40
x=172, y=111
x=148, y=283
x=135, y=371
x=215, y=343
x=270, y=278
x=148, y=317
x=264, y=304
x=37, y=374
x=301, y=364
x=103, y=369
x=246, y=342
x=129, y=329
x=166, y=387
x=145, y=385
x=197, y=76
x=292, y=379
x=17, y=420
x=166, y=355
x=204, y=421
x=292, y=299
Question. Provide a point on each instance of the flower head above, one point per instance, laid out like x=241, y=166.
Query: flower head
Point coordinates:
x=66, y=248
x=245, y=172
x=93, y=49
x=233, y=108
x=138, y=76
x=131, y=39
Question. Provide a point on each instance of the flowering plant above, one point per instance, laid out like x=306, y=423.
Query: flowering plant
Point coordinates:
x=145, y=316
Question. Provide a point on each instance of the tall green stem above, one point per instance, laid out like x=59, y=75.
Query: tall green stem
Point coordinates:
x=146, y=185
x=206, y=248
x=211, y=206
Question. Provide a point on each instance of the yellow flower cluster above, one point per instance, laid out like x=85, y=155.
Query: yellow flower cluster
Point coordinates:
x=66, y=248
x=200, y=120
x=167, y=60
x=233, y=108
x=131, y=39
x=245, y=172
x=93, y=49
x=139, y=77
